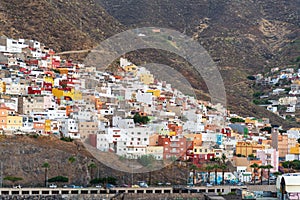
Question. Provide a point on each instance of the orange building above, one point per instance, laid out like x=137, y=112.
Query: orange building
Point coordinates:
x=39, y=127
x=196, y=138
x=280, y=143
x=248, y=148
x=4, y=113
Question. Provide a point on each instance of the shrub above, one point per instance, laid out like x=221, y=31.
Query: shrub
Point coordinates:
x=66, y=139
x=58, y=179
x=252, y=78
x=235, y=120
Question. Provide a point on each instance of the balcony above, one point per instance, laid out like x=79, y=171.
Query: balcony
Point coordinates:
x=174, y=145
x=175, y=151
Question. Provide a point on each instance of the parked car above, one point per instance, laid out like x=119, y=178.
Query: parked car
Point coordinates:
x=74, y=186
x=52, y=186
x=143, y=184
x=124, y=185
x=109, y=186
x=98, y=186
x=208, y=185
x=17, y=186
x=135, y=186
x=168, y=184
x=159, y=184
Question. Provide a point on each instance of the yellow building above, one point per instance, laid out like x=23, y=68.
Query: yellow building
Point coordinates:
x=74, y=94
x=132, y=69
x=172, y=133
x=47, y=126
x=248, y=148
x=2, y=87
x=202, y=150
x=14, y=122
x=251, y=121
x=49, y=79
x=295, y=149
x=154, y=92
x=147, y=79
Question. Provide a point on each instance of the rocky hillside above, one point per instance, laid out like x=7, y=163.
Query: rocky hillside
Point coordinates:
x=60, y=24
x=243, y=37
x=23, y=156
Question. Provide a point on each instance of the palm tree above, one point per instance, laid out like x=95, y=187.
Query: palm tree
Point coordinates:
x=223, y=158
x=194, y=168
x=91, y=167
x=46, y=166
x=269, y=167
x=255, y=167
x=216, y=167
x=71, y=160
x=208, y=168
x=223, y=167
x=262, y=167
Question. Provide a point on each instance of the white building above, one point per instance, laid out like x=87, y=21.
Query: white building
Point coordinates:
x=69, y=128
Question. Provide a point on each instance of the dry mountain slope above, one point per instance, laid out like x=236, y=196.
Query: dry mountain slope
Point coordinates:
x=61, y=24
x=14, y=150
x=243, y=37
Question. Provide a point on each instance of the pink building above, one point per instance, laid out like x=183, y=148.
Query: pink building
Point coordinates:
x=269, y=157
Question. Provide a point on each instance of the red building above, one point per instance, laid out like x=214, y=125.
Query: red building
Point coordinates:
x=47, y=86
x=34, y=90
x=173, y=146
x=226, y=131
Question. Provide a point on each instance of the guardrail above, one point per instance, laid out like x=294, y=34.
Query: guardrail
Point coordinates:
x=65, y=191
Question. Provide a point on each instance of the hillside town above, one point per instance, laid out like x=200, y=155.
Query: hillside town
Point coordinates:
x=133, y=114
x=278, y=91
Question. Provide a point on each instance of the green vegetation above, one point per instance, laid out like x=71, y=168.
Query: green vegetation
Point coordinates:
x=295, y=164
x=258, y=94
x=261, y=101
x=61, y=179
x=252, y=78
x=109, y=179
x=237, y=120
x=13, y=179
x=255, y=168
x=91, y=167
x=231, y=193
x=66, y=139
x=46, y=166
x=251, y=156
x=194, y=168
x=137, y=118
x=56, y=71
x=267, y=128
x=146, y=160
x=71, y=160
